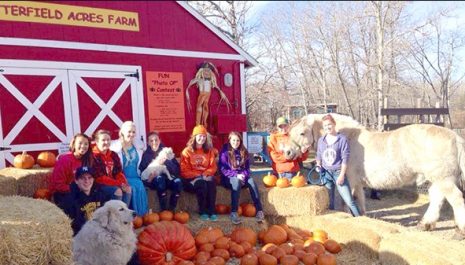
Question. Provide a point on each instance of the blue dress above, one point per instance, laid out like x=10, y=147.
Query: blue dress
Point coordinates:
x=139, y=196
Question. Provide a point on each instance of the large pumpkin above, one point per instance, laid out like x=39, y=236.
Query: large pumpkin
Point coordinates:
x=165, y=242
x=269, y=180
x=46, y=159
x=276, y=235
x=298, y=181
x=242, y=234
x=23, y=161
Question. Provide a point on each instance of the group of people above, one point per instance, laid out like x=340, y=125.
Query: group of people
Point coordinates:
x=332, y=158
x=93, y=172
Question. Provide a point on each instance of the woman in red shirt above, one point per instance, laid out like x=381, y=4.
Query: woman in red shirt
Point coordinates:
x=63, y=173
x=108, y=169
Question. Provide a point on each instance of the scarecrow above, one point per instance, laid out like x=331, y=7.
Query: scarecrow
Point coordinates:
x=205, y=80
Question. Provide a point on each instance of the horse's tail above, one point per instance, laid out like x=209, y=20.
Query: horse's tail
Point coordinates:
x=461, y=159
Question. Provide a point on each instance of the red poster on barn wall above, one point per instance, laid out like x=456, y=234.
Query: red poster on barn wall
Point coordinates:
x=165, y=102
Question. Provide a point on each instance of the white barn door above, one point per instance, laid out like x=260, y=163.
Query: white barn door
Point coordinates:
x=43, y=104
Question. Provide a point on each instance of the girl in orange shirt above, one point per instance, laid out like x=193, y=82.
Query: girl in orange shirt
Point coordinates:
x=198, y=166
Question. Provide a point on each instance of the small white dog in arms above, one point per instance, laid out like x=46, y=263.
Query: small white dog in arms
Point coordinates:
x=108, y=238
x=157, y=167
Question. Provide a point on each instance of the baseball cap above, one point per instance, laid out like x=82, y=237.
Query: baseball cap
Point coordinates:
x=81, y=171
x=281, y=121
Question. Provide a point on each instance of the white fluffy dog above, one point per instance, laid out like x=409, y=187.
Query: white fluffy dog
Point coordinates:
x=157, y=167
x=108, y=238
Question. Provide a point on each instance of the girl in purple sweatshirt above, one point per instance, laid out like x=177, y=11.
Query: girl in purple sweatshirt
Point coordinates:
x=235, y=174
x=332, y=157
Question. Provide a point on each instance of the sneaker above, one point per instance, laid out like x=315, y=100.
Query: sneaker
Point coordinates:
x=204, y=217
x=260, y=216
x=235, y=218
x=213, y=217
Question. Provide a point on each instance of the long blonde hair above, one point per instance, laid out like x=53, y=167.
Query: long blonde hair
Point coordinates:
x=125, y=126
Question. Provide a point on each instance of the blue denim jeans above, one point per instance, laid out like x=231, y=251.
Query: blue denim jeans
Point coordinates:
x=344, y=190
x=161, y=184
x=287, y=175
x=235, y=185
x=109, y=191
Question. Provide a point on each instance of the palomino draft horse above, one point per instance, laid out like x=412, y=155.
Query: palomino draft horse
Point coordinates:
x=389, y=160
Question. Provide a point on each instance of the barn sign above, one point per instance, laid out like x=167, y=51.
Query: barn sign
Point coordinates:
x=37, y=12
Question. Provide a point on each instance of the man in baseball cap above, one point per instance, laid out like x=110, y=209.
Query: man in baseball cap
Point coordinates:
x=85, y=197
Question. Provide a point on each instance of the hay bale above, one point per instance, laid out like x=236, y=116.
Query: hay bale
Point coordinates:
x=195, y=224
x=8, y=186
x=306, y=201
x=28, y=180
x=412, y=247
x=33, y=232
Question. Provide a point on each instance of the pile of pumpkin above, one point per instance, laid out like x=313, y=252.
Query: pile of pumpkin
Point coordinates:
x=172, y=243
x=26, y=161
x=152, y=217
x=273, y=181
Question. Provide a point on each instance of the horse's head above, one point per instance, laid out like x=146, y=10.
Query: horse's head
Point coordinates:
x=304, y=134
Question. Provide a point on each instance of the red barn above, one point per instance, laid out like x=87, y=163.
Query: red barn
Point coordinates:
x=79, y=66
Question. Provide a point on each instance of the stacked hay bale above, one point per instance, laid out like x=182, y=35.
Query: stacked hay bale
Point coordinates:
x=33, y=232
x=8, y=186
x=28, y=180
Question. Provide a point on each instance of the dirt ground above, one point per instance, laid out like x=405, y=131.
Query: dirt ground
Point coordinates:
x=406, y=207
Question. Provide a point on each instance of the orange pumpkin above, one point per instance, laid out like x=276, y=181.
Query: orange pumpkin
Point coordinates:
x=269, y=180
x=249, y=210
x=236, y=250
x=166, y=215
x=151, y=218
x=276, y=235
x=309, y=259
x=315, y=247
x=282, y=183
x=242, y=234
x=208, y=247
x=217, y=260
x=289, y=260
x=249, y=259
x=42, y=193
x=221, y=253
x=46, y=159
x=267, y=259
x=222, y=243
x=23, y=161
x=332, y=246
x=298, y=181
x=165, y=243
x=212, y=234
x=326, y=259
x=239, y=211
x=202, y=257
x=182, y=217
x=221, y=209
x=137, y=222
x=278, y=253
